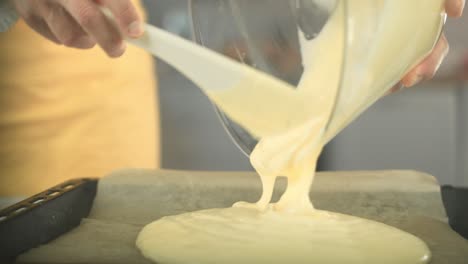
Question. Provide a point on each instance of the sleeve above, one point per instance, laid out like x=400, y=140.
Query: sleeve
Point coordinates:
x=8, y=15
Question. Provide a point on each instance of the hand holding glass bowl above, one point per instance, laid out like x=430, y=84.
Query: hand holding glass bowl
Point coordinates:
x=268, y=41
x=428, y=68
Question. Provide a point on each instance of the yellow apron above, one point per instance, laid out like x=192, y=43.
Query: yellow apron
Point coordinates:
x=67, y=113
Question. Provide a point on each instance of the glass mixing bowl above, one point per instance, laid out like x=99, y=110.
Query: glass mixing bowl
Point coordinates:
x=262, y=34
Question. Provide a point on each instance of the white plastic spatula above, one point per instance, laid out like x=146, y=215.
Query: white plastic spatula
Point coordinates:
x=218, y=75
x=204, y=67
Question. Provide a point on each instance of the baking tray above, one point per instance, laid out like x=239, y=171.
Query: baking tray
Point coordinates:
x=128, y=200
x=44, y=217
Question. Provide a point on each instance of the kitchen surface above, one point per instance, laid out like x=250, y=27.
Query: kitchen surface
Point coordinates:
x=114, y=221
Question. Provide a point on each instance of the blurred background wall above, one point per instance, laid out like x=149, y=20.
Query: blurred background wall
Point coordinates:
x=425, y=128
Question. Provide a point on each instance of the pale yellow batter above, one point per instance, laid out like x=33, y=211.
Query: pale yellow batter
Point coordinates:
x=384, y=40
x=241, y=235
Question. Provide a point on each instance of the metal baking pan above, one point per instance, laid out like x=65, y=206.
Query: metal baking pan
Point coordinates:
x=44, y=217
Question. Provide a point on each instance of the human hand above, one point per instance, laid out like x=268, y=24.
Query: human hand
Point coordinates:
x=428, y=68
x=82, y=23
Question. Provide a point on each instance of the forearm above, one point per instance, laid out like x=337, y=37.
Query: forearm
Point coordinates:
x=8, y=15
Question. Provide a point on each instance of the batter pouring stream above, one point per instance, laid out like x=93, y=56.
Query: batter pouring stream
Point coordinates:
x=292, y=231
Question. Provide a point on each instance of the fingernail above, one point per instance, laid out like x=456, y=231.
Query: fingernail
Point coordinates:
x=417, y=78
x=397, y=88
x=135, y=29
x=441, y=60
x=85, y=42
x=119, y=51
